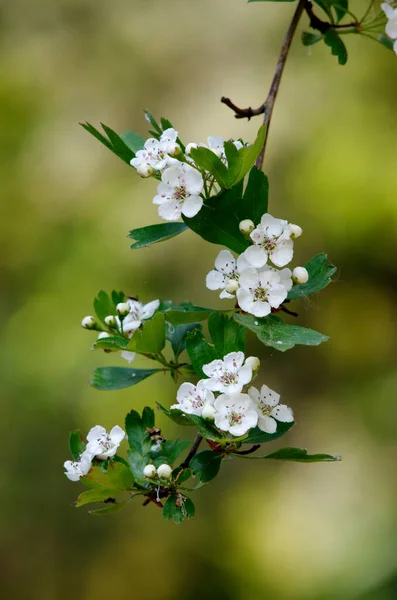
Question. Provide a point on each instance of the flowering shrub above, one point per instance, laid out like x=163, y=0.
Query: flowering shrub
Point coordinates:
x=220, y=192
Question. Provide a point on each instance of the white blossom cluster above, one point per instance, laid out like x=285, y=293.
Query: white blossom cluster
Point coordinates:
x=257, y=285
x=233, y=410
x=101, y=445
x=391, y=26
x=182, y=184
x=130, y=316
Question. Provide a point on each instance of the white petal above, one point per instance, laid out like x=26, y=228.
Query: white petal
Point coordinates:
x=191, y=206
x=95, y=433
x=193, y=180
x=286, y=278
x=273, y=226
x=215, y=142
x=215, y=280
x=245, y=374
x=391, y=28
x=128, y=356
x=242, y=263
x=221, y=421
x=184, y=391
x=225, y=262
x=234, y=360
x=249, y=278
x=256, y=256
x=225, y=295
x=170, y=210
x=277, y=295
x=268, y=396
x=169, y=135
x=117, y=434
x=213, y=368
x=267, y=424
x=388, y=10
x=254, y=394
x=245, y=299
x=283, y=253
x=150, y=308
x=260, y=309
x=172, y=176
x=283, y=413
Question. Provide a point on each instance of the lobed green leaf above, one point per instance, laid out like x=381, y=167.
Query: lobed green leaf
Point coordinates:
x=206, y=464
x=320, y=275
x=150, y=339
x=117, y=378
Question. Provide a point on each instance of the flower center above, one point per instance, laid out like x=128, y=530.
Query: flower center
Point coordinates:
x=106, y=442
x=265, y=408
x=180, y=193
x=235, y=418
x=227, y=378
x=259, y=294
x=269, y=244
x=196, y=401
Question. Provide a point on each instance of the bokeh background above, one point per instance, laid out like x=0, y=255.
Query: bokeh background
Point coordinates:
x=281, y=531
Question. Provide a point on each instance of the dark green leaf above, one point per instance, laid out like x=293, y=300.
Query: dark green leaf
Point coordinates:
x=309, y=39
x=256, y=196
x=151, y=338
x=76, y=444
x=177, y=336
x=136, y=428
x=117, y=378
x=189, y=508
x=209, y=161
x=326, y=6
x=337, y=46
x=257, y=436
x=169, y=451
x=298, y=455
x=199, y=350
x=208, y=431
x=111, y=343
x=148, y=417
x=227, y=336
x=175, y=415
x=153, y=122
x=185, y=313
x=113, y=141
x=117, y=297
x=178, y=508
x=134, y=141
x=146, y=236
x=320, y=275
x=340, y=7
x=273, y=332
x=104, y=306
x=205, y=465
x=108, y=510
x=386, y=41
x=182, y=474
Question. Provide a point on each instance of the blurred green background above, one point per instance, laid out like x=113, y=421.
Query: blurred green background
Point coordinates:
x=281, y=531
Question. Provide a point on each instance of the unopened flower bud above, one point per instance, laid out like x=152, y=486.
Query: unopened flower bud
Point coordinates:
x=145, y=170
x=88, y=323
x=174, y=150
x=189, y=147
x=296, y=231
x=111, y=321
x=232, y=286
x=149, y=471
x=254, y=363
x=246, y=226
x=123, y=309
x=103, y=334
x=208, y=412
x=164, y=471
x=300, y=275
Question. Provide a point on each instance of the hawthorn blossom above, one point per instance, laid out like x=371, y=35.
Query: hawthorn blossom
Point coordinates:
x=235, y=413
x=102, y=444
x=227, y=270
x=192, y=399
x=272, y=240
x=155, y=155
x=229, y=375
x=138, y=313
x=263, y=289
x=76, y=469
x=179, y=192
x=391, y=26
x=269, y=410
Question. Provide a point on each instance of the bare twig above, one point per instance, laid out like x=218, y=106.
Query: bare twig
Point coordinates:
x=192, y=451
x=249, y=451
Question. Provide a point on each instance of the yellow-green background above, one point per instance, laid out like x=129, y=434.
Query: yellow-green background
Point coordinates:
x=280, y=531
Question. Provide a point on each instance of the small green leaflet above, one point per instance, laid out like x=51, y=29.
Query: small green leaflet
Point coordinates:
x=175, y=415
x=338, y=48
x=227, y=336
x=257, y=436
x=340, y=7
x=296, y=455
x=178, y=508
x=185, y=313
x=273, y=332
x=124, y=146
x=176, y=334
x=146, y=236
x=136, y=428
x=320, y=275
x=150, y=339
x=309, y=39
x=111, y=343
x=117, y=378
x=76, y=444
x=206, y=464
x=105, y=305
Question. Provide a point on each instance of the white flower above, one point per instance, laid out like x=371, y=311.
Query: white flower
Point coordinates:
x=155, y=154
x=229, y=375
x=77, y=469
x=164, y=471
x=269, y=409
x=192, y=399
x=300, y=275
x=88, y=322
x=263, y=289
x=179, y=192
x=227, y=269
x=235, y=413
x=272, y=239
x=149, y=471
x=128, y=356
x=103, y=444
x=138, y=313
x=391, y=26
x=216, y=144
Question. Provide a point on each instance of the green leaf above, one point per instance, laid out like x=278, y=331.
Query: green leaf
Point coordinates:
x=273, y=332
x=151, y=338
x=119, y=476
x=169, y=451
x=208, y=431
x=320, y=275
x=227, y=336
x=153, y=122
x=175, y=415
x=298, y=455
x=108, y=510
x=146, y=236
x=386, y=42
x=206, y=464
x=136, y=429
x=104, y=306
x=186, y=313
x=113, y=141
x=134, y=141
x=340, y=7
x=178, y=508
x=111, y=343
x=98, y=495
x=177, y=336
x=209, y=161
x=219, y=218
x=326, y=7
x=309, y=39
x=117, y=378
x=118, y=297
x=255, y=200
x=257, y=436
x=76, y=444
x=337, y=46
x=137, y=462
x=200, y=351
x=148, y=417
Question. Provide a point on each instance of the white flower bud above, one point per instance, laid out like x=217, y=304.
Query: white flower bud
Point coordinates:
x=246, y=226
x=164, y=471
x=145, y=170
x=123, y=309
x=149, y=471
x=296, y=231
x=254, y=363
x=232, y=286
x=103, y=334
x=174, y=150
x=189, y=147
x=88, y=323
x=300, y=275
x=110, y=321
x=208, y=412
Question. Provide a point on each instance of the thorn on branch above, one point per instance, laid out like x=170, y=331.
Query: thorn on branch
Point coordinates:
x=243, y=113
